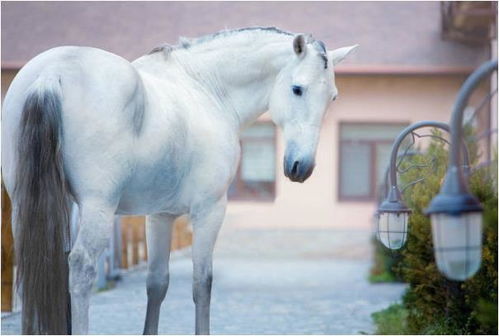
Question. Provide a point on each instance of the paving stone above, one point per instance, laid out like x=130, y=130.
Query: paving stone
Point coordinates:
x=265, y=282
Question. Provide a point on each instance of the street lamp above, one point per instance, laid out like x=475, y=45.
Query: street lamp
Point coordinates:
x=391, y=217
x=393, y=214
x=456, y=215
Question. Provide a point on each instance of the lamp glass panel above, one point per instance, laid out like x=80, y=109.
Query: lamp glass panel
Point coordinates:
x=392, y=229
x=457, y=241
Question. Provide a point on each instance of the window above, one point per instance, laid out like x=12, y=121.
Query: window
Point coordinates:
x=363, y=157
x=255, y=177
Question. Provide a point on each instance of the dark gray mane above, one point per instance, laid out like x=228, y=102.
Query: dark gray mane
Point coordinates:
x=322, y=50
x=185, y=43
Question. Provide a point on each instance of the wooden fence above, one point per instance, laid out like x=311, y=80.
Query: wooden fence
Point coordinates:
x=127, y=248
x=134, y=246
x=7, y=254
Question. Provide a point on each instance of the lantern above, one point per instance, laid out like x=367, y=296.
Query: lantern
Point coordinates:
x=456, y=220
x=393, y=217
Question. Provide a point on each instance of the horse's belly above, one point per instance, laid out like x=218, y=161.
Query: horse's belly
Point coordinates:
x=153, y=189
x=141, y=204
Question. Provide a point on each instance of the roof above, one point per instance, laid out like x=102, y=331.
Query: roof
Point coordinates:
x=392, y=35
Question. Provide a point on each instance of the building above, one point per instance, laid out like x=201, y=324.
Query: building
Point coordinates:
x=412, y=59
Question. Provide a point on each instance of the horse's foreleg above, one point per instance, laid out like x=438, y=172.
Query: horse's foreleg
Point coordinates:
x=158, y=235
x=96, y=222
x=206, y=224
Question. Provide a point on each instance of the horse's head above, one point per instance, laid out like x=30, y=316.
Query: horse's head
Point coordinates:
x=300, y=97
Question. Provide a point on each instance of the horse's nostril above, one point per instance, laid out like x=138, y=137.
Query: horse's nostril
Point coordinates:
x=294, y=170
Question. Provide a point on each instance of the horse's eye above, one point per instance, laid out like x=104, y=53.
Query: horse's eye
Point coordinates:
x=297, y=90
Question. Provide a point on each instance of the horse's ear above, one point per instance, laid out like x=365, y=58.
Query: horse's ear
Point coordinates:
x=299, y=45
x=337, y=55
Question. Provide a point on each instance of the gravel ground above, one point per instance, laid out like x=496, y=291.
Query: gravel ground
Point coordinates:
x=265, y=282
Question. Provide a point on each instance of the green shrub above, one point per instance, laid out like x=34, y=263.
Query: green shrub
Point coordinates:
x=428, y=293
x=480, y=292
x=391, y=321
x=385, y=262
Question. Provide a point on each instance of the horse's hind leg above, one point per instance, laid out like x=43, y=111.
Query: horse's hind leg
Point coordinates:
x=96, y=220
x=158, y=235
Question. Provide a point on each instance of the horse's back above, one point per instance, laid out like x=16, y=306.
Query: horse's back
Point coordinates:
x=101, y=98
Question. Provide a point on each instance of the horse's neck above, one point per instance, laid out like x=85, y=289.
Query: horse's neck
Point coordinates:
x=239, y=76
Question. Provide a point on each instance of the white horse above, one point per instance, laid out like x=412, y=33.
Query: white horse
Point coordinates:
x=156, y=137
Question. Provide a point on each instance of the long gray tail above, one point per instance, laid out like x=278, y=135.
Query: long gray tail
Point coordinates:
x=42, y=220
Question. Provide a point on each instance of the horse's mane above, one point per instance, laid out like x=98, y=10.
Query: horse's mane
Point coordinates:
x=186, y=43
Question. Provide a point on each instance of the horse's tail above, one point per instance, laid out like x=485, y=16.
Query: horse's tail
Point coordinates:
x=42, y=217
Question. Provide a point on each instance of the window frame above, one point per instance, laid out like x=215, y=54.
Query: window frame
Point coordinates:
x=373, y=161
x=241, y=193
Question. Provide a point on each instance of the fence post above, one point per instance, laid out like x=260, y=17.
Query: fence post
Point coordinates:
x=144, y=240
x=135, y=242
x=124, y=243
x=7, y=254
x=115, y=255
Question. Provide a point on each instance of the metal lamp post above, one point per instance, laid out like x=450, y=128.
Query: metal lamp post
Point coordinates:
x=456, y=215
x=393, y=214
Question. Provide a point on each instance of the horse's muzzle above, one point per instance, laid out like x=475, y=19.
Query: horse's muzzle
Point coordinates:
x=298, y=170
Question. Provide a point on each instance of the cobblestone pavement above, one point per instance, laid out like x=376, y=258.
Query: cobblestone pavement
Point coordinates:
x=265, y=282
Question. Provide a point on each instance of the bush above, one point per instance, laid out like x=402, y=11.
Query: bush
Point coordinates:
x=434, y=304
x=385, y=263
x=391, y=321
x=480, y=292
